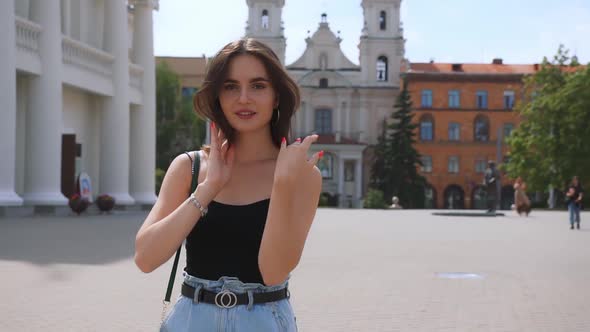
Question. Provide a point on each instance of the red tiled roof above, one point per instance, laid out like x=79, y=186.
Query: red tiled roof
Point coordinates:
x=481, y=68
x=471, y=68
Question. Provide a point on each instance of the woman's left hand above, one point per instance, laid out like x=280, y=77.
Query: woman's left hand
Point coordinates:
x=293, y=165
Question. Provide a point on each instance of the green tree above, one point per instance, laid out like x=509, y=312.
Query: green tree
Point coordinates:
x=396, y=162
x=178, y=127
x=553, y=141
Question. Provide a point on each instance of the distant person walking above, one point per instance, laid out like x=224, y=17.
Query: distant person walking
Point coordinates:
x=574, y=195
x=521, y=200
x=490, y=179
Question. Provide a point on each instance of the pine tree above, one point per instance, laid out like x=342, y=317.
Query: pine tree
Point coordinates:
x=395, y=168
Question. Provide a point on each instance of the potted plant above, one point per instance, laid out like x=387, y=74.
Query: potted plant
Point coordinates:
x=78, y=204
x=105, y=202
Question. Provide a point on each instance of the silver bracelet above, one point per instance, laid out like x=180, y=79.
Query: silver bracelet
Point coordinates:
x=196, y=203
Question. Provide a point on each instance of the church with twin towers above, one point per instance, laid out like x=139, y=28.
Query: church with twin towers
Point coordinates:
x=344, y=103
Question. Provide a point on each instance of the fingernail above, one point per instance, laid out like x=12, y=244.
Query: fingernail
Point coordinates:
x=212, y=125
x=321, y=153
x=283, y=140
x=298, y=140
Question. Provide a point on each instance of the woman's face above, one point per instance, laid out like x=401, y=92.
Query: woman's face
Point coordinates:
x=247, y=96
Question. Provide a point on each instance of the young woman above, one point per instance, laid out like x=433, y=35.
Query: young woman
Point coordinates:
x=521, y=200
x=246, y=223
x=574, y=195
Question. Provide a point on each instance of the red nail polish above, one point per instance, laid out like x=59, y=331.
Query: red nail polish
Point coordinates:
x=298, y=140
x=321, y=154
x=212, y=125
x=283, y=140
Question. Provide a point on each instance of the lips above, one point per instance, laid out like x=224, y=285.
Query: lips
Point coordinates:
x=245, y=114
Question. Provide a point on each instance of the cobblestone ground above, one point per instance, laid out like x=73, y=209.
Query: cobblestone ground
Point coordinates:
x=361, y=271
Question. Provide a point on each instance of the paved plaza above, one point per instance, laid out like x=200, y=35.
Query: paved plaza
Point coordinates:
x=362, y=270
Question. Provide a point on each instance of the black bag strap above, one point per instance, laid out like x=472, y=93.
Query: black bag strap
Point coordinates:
x=196, y=164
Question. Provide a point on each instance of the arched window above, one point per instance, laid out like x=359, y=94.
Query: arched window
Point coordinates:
x=264, y=22
x=454, y=197
x=429, y=197
x=323, y=61
x=382, y=69
x=323, y=83
x=382, y=20
x=481, y=128
x=426, y=128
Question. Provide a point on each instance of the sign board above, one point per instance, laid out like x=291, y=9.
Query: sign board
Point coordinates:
x=85, y=186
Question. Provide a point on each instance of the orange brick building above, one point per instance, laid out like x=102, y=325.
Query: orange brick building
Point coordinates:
x=461, y=110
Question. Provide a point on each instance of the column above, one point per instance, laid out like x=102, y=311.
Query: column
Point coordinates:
x=347, y=117
x=300, y=116
x=143, y=118
x=359, y=179
x=44, y=118
x=8, y=195
x=115, y=127
x=309, y=127
x=340, y=180
x=363, y=115
x=338, y=120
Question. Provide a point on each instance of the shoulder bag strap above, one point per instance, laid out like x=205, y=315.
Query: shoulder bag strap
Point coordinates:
x=196, y=163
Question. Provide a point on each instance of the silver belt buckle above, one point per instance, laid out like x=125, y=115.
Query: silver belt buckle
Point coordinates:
x=226, y=299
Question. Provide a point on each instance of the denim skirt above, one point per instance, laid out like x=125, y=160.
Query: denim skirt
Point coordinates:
x=188, y=315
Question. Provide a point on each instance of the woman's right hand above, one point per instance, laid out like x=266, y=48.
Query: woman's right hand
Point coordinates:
x=220, y=161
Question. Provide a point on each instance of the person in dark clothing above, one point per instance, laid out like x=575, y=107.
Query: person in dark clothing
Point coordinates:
x=574, y=194
x=490, y=179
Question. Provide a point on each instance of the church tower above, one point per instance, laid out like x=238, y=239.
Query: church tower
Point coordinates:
x=266, y=25
x=382, y=44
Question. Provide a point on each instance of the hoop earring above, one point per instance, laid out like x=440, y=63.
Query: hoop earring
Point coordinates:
x=278, y=116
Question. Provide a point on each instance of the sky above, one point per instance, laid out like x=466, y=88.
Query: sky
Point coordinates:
x=462, y=31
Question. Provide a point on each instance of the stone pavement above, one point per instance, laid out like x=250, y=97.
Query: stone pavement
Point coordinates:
x=362, y=270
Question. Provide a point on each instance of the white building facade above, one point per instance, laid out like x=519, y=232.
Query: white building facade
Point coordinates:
x=343, y=102
x=77, y=95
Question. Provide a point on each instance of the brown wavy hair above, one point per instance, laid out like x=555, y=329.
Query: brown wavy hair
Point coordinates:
x=206, y=100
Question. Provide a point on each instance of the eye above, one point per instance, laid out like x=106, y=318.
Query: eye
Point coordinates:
x=230, y=87
x=259, y=86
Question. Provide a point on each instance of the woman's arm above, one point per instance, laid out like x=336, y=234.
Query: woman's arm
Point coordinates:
x=172, y=217
x=293, y=204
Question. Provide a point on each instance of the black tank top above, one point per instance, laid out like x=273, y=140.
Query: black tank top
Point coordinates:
x=226, y=242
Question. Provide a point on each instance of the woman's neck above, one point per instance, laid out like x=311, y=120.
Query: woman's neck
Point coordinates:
x=255, y=146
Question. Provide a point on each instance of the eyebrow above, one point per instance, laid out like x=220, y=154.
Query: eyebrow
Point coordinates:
x=256, y=79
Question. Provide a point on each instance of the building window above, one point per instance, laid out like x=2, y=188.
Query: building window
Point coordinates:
x=426, y=98
x=323, y=121
x=480, y=165
x=426, y=164
x=454, y=131
x=481, y=99
x=349, y=170
x=264, y=22
x=325, y=164
x=454, y=164
x=323, y=83
x=382, y=69
x=426, y=128
x=507, y=130
x=382, y=20
x=508, y=99
x=481, y=129
x=454, y=99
